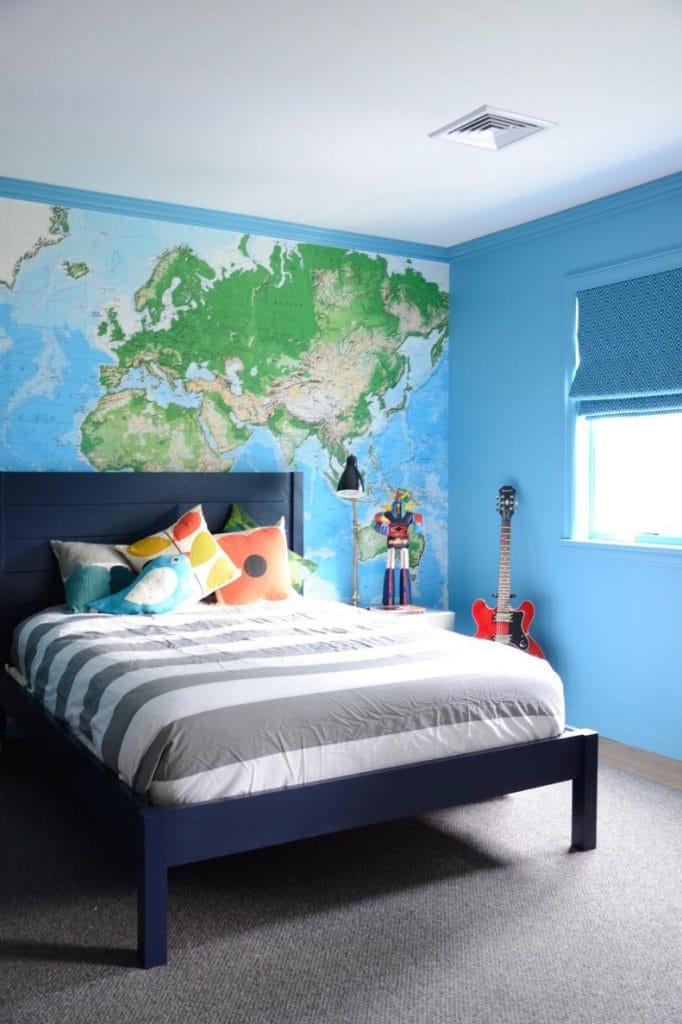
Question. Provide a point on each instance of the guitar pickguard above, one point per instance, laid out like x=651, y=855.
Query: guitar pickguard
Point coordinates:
x=514, y=633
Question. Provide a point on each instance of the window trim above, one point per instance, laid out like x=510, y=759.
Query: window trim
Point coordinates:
x=576, y=282
x=656, y=555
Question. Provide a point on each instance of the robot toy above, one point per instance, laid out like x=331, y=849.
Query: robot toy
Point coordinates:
x=394, y=523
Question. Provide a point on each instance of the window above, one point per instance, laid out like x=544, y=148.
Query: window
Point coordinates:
x=627, y=387
x=629, y=479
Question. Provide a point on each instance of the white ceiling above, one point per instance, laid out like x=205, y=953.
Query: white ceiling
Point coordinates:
x=319, y=113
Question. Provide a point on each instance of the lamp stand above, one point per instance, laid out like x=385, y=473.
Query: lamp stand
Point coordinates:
x=355, y=553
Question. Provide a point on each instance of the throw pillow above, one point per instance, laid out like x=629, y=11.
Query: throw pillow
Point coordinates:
x=261, y=555
x=165, y=583
x=90, y=571
x=189, y=535
x=300, y=568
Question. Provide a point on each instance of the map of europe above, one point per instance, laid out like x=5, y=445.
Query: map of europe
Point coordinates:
x=140, y=345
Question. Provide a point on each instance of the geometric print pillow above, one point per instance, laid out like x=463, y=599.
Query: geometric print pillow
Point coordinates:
x=189, y=535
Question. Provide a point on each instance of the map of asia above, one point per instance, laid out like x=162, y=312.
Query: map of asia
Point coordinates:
x=139, y=345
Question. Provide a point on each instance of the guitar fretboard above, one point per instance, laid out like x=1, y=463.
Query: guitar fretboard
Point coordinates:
x=504, y=578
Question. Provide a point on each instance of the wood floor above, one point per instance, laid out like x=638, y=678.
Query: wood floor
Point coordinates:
x=641, y=762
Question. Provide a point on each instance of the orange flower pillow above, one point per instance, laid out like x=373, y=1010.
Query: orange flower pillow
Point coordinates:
x=211, y=567
x=262, y=557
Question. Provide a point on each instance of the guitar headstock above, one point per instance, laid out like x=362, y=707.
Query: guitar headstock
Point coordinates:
x=506, y=502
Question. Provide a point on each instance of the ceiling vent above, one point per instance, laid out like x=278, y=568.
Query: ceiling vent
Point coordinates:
x=490, y=128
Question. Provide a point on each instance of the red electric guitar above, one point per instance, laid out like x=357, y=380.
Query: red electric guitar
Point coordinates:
x=505, y=624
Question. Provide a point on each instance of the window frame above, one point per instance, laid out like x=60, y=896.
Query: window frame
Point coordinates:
x=576, y=502
x=587, y=494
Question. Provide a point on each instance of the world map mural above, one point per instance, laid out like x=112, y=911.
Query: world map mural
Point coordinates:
x=139, y=345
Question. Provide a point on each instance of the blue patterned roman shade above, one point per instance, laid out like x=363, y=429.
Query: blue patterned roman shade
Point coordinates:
x=630, y=344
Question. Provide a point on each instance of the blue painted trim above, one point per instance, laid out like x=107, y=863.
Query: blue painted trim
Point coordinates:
x=151, y=209
x=608, y=205
x=610, y=273
x=658, y=556
x=570, y=406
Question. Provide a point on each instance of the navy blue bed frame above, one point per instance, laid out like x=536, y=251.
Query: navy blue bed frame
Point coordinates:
x=116, y=507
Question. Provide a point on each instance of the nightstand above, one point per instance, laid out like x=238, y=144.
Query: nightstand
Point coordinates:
x=437, y=618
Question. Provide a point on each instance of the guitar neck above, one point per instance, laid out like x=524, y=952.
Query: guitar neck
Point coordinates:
x=504, y=576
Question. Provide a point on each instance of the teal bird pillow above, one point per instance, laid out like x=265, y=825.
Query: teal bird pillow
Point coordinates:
x=164, y=584
x=90, y=571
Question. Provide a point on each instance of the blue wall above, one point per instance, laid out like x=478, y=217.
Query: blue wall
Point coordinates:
x=608, y=619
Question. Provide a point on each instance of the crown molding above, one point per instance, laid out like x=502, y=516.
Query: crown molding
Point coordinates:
x=638, y=195
x=151, y=209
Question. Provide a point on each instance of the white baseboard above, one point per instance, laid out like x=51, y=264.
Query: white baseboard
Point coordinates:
x=641, y=762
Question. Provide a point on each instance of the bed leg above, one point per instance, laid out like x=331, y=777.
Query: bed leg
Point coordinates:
x=5, y=722
x=152, y=903
x=584, y=811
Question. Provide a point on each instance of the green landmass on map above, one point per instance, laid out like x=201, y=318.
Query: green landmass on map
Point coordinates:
x=59, y=220
x=111, y=328
x=129, y=432
x=305, y=345
x=76, y=270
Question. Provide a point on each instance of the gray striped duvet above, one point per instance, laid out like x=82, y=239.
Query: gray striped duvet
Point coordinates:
x=223, y=701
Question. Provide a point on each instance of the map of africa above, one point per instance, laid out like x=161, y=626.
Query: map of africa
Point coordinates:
x=139, y=345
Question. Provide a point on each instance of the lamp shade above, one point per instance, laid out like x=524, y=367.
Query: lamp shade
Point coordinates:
x=351, y=485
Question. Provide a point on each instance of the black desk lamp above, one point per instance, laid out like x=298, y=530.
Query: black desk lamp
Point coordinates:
x=351, y=486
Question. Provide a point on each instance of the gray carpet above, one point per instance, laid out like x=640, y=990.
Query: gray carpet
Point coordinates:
x=478, y=914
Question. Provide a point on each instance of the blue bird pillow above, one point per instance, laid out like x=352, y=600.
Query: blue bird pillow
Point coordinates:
x=164, y=584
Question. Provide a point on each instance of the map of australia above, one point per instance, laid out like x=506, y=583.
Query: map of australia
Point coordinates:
x=153, y=347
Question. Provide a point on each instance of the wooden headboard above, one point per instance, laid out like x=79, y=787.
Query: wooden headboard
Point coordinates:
x=116, y=508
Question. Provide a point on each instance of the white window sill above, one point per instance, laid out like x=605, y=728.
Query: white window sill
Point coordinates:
x=652, y=554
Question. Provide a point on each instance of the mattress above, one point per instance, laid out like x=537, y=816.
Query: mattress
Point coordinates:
x=215, y=702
